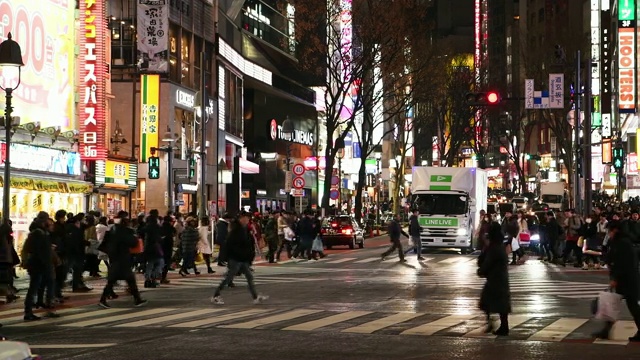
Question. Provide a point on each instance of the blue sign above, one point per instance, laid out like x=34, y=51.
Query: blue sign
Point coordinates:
x=348, y=139
x=357, y=150
x=334, y=194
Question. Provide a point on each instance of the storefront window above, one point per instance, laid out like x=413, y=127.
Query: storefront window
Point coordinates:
x=185, y=127
x=186, y=61
x=174, y=64
x=233, y=104
x=139, y=199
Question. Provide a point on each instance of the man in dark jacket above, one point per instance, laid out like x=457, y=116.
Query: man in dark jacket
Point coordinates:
x=37, y=258
x=624, y=277
x=58, y=238
x=553, y=231
x=75, y=249
x=414, y=232
x=153, y=251
x=307, y=231
x=240, y=253
x=395, y=231
x=222, y=231
x=120, y=243
x=271, y=236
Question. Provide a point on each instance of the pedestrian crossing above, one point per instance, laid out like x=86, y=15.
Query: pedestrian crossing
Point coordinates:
x=390, y=260
x=532, y=327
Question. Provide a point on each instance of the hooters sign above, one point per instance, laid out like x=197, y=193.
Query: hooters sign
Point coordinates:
x=92, y=80
x=626, y=56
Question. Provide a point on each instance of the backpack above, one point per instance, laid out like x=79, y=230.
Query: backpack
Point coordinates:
x=104, y=245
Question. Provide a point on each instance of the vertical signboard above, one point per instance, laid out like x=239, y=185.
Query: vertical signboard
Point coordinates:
x=153, y=35
x=528, y=93
x=149, y=114
x=556, y=91
x=92, y=80
x=606, y=151
x=595, y=47
x=626, y=56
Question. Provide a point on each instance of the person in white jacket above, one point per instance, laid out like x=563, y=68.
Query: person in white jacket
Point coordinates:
x=204, y=242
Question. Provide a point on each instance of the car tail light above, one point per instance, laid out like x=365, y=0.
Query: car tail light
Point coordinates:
x=323, y=231
x=334, y=224
x=347, y=231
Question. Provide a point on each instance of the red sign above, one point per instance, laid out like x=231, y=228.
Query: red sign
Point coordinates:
x=273, y=129
x=503, y=150
x=310, y=163
x=92, y=79
x=298, y=183
x=298, y=169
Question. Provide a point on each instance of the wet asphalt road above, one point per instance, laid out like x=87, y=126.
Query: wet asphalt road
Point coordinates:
x=349, y=304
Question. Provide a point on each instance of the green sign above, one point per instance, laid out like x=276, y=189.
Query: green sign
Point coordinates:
x=627, y=10
x=439, y=222
x=154, y=167
x=441, y=178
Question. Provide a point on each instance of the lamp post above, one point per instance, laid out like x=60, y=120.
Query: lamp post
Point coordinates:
x=287, y=131
x=10, y=58
x=202, y=99
x=378, y=191
x=168, y=149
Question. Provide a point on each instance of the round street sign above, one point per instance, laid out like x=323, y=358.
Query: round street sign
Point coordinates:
x=298, y=169
x=273, y=129
x=333, y=194
x=298, y=182
x=335, y=180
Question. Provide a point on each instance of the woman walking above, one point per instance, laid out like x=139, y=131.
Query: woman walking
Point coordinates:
x=493, y=266
x=189, y=240
x=92, y=264
x=204, y=242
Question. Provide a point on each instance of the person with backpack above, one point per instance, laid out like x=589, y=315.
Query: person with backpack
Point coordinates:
x=118, y=245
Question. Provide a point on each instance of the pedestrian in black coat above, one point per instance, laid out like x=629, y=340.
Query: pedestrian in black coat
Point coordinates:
x=496, y=296
x=623, y=272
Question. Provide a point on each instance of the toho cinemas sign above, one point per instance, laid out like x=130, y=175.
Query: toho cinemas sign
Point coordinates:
x=298, y=136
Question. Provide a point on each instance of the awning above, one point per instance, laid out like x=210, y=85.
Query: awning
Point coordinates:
x=248, y=167
x=48, y=183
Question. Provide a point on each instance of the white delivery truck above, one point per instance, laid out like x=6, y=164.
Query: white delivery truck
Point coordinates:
x=449, y=201
x=552, y=194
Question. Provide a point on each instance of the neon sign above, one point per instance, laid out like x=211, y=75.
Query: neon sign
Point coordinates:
x=92, y=68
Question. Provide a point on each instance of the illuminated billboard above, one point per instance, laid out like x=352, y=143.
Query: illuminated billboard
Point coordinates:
x=626, y=56
x=45, y=31
x=92, y=66
x=149, y=114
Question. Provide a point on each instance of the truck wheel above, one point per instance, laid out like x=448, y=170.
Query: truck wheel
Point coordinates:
x=464, y=251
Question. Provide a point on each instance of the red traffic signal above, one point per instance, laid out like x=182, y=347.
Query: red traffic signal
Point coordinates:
x=490, y=98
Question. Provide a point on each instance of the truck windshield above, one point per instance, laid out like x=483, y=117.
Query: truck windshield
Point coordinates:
x=446, y=204
x=554, y=199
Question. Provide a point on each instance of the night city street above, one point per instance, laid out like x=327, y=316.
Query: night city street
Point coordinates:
x=348, y=303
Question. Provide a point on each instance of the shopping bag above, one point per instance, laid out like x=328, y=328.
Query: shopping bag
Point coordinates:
x=317, y=245
x=410, y=243
x=608, y=306
x=515, y=244
x=199, y=258
x=138, y=249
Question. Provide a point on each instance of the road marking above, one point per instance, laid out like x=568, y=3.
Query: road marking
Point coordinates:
x=108, y=319
x=70, y=317
x=12, y=311
x=368, y=260
x=558, y=330
x=514, y=320
x=456, y=260
x=438, y=325
x=391, y=260
x=340, y=260
x=621, y=330
x=591, y=295
x=168, y=318
x=71, y=346
x=595, y=292
x=41, y=314
x=219, y=319
x=330, y=320
x=289, y=315
x=375, y=325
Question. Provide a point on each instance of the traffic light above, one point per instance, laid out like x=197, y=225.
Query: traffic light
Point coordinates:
x=618, y=157
x=154, y=167
x=192, y=167
x=490, y=98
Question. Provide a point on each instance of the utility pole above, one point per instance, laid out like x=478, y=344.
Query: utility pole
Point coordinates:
x=587, y=138
x=204, y=100
x=576, y=127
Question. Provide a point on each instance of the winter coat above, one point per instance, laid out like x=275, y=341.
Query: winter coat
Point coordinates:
x=623, y=266
x=152, y=240
x=306, y=229
x=75, y=242
x=38, y=250
x=168, y=232
x=119, y=245
x=414, y=226
x=240, y=244
x=58, y=238
x=553, y=231
x=204, y=241
x=222, y=231
x=496, y=296
x=189, y=240
x=271, y=230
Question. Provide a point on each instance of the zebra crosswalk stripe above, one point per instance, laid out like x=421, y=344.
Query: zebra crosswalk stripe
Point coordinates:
x=339, y=261
x=167, y=318
x=559, y=330
x=289, y=315
x=219, y=319
x=79, y=316
x=621, y=330
x=379, y=324
x=514, y=320
x=333, y=319
x=438, y=325
x=104, y=320
x=367, y=260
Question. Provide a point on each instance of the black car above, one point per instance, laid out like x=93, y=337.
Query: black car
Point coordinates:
x=342, y=230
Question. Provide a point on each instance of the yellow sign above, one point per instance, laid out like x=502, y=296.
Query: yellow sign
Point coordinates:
x=117, y=170
x=48, y=186
x=149, y=114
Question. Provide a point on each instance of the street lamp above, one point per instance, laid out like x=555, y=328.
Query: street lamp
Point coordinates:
x=287, y=132
x=378, y=190
x=10, y=58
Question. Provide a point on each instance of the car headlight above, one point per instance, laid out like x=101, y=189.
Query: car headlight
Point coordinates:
x=535, y=237
x=462, y=232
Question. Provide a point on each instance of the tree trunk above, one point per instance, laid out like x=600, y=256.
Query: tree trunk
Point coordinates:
x=328, y=170
x=362, y=175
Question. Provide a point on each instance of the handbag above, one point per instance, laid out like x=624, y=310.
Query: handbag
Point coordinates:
x=317, y=245
x=410, y=242
x=138, y=249
x=608, y=306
